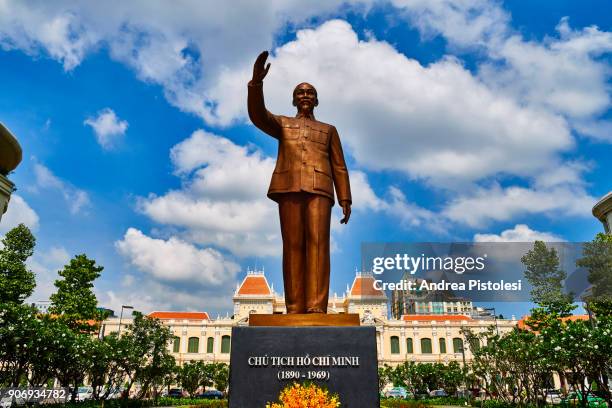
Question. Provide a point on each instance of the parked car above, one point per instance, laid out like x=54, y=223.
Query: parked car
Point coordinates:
x=397, y=392
x=84, y=393
x=553, y=397
x=175, y=393
x=463, y=394
x=438, y=393
x=211, y=394
x=115, y=393
x=421, y=395
x=574, y=399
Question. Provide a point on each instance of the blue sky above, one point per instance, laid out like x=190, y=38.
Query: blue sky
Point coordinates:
x=461, y=120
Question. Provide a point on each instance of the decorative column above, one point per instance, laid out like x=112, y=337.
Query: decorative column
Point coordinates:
x=603, y=212
x=10, y=157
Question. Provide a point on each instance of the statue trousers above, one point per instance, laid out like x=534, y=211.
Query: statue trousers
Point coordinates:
x=305, y=223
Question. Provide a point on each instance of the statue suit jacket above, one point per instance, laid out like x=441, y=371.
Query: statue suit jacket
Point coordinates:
x=310, y=155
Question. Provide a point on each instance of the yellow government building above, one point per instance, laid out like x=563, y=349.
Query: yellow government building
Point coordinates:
x=434, y=337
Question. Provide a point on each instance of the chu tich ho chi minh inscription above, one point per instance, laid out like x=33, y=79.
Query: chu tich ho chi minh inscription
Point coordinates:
x=303, y=367
x=264, y=360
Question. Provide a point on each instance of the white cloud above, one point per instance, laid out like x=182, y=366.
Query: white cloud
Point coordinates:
x=221, y=169
x=223, y=196
x=76, y=199
x=438, y=123
x=503, y=204
x=223, y=199
x=465, y=23
x=176, y=260
x=171, y=274
x=128, y=280
x=411, y=215
x=183, y=48
x=364, y=198
x=562, y=74
x=599, y=130
x=56, y=256
x=18, y=212
x=45, y=264
x=149, y=295
x=520, y=233
x=107, y=127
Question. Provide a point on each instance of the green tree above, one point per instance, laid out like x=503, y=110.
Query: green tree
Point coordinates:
x=581, y=351
x=74, y=300
x=43, y=348
x=597, y=258
x=100, y=358
x=18, y=332
x=514, y=367
x=545, y=276
x=17, y=282
x=430, y=376
x=149, y=342
x=71, y=357
x=407, y=375
x=193, y=375
x=127, y=359
x=452, y=377
x=384, y=376
x=220, y=376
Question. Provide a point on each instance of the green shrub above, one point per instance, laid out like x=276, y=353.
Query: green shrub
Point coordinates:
x=400, y=403
x=498, y=404
x=445, y=401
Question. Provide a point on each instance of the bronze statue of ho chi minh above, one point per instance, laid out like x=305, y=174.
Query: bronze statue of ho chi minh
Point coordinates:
x=310, y=163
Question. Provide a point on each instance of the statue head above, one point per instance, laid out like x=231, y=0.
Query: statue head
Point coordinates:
x=305, y=97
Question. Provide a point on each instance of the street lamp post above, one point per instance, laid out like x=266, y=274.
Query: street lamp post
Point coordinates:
x=121, y=315
x=494, y=318
x=465, y=372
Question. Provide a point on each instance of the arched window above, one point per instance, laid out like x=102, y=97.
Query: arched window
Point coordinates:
x=225, y=344
x=474, y=345
x=426, y=346
x=210, y=345
x=457, y=345
x=176, y=346
x=193, y=345
x=442, y=345
x=409, y=347
x=395, y=345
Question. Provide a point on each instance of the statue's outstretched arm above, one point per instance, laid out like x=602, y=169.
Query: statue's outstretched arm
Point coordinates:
x=258, y=113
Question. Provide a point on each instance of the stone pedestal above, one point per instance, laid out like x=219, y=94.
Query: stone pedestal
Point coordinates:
x=309, y=319
x=6, y=188
x=264, y=360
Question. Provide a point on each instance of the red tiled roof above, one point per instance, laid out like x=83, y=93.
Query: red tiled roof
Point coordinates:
x=364, y=286
x=254, y=285
x=180, y=315
x=522, y=324
x=437, y=318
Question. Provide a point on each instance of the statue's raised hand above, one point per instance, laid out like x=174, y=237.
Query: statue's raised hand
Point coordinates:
x=260, y=69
